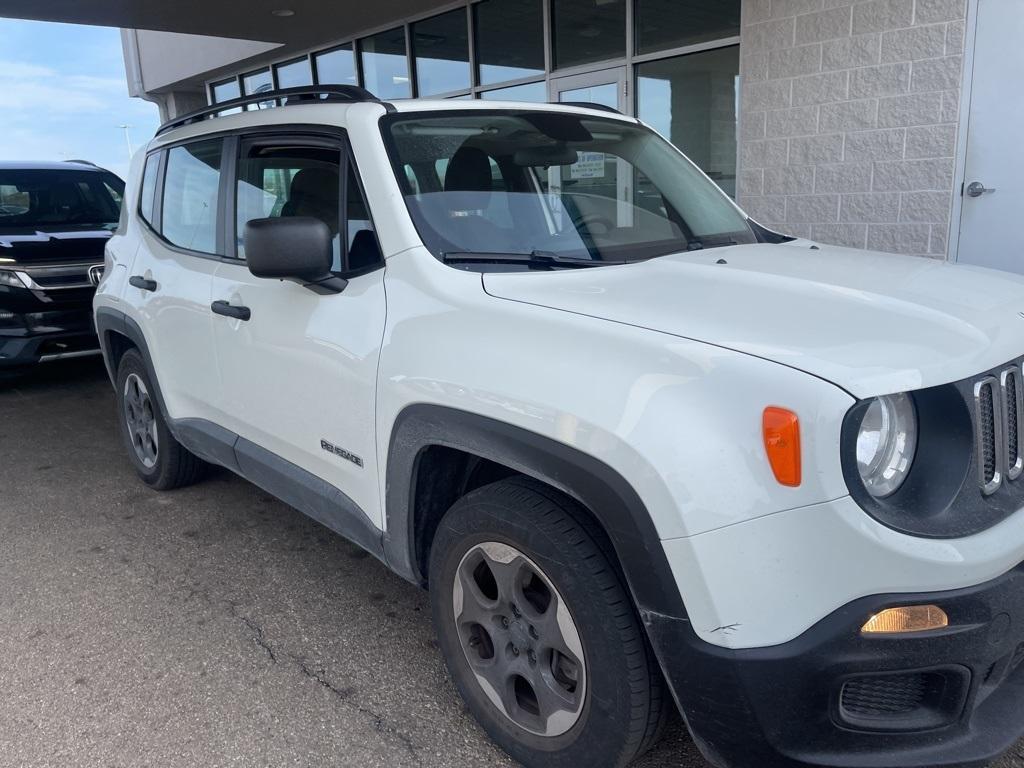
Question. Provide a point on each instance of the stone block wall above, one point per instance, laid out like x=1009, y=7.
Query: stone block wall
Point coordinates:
x=848, y=119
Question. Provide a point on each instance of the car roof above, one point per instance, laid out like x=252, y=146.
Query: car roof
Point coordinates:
x=49, y=165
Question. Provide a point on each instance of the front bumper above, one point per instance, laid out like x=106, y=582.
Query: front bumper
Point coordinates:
x=952, y=697
x=45, y=336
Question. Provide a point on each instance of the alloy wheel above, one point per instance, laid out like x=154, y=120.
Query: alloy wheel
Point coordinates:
x=520, y=639
x=140, y=417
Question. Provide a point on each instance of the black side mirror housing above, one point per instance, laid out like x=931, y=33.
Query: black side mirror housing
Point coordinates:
x=293, y=248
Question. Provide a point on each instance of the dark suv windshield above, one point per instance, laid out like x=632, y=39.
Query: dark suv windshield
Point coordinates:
x=571, y=186
x=54, y=198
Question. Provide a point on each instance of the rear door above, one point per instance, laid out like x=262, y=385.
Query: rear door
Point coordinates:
x=300, y=374
x=170, y=279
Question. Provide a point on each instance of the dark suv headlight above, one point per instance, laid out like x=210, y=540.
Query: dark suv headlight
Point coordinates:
x=9, y=278
x=886, y=443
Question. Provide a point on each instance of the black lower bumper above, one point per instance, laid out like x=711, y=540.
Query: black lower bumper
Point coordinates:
x=834, y=697
x=45, y=336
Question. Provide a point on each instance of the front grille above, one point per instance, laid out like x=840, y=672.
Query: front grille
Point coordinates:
x=57, y=277
x=998, y=409
x=871, y=697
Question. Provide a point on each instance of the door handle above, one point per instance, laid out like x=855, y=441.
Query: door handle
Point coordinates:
x=138, y=281
x=226, y=309
x=977, y=189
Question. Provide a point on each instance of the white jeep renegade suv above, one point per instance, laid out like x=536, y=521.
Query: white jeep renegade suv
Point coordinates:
x=644, y=453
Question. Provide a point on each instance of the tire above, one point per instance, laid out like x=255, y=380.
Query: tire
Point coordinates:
x=159, y=460
x=613, y=698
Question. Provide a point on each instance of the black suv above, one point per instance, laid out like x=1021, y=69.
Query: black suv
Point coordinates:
x=55, y=219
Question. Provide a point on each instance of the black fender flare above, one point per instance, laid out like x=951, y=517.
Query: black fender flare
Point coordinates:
x=110, y=321
x=602, y=490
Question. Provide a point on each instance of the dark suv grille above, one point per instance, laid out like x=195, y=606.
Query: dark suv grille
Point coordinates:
x=997, y=415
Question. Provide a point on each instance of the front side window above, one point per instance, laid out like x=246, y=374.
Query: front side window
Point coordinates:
x=191, y=186
x=284, y=180
x=49, y=199
x=578, y=187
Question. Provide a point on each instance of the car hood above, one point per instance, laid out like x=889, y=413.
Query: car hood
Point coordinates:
x=28, y=246
x=871, y=323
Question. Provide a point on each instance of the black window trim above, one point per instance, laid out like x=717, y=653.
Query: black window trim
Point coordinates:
x=158, y=189
x=156, y=228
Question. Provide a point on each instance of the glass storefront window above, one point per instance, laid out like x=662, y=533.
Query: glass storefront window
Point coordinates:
x=441, y=47
x=692, y=101
x=662, y=24
x=336, y=67
x=509, y=39
x=226, y=91
x=258, y=82
x=294, y=74
x=385, y=66
x=535, y=92
x=586, y=31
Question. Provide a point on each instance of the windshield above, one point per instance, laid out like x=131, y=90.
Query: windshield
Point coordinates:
x=563, y=185
x=55, y=198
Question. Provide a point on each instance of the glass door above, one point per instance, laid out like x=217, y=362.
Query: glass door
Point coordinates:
x=606, y=87
x=595, y=175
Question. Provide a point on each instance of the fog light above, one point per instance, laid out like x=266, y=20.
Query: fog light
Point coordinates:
x=909, y=618
x=9, y=319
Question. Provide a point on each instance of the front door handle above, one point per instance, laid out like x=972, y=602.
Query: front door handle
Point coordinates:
x=138, y=281
x=977, y=189
x=226, y=309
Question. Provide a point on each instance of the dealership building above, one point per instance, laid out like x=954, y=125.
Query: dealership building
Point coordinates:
x=883, y=124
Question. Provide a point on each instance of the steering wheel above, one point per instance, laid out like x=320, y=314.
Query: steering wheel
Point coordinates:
x=594, y=218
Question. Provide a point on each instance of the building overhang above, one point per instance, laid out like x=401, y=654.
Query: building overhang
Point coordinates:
x=311, y=22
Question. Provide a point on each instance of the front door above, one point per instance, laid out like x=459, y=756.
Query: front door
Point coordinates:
x=993, y=190
x=299, y=375
x=606, y=87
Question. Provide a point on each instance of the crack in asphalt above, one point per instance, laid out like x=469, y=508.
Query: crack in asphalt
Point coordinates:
x=343, y=695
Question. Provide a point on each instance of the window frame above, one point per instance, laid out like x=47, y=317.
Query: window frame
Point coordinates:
x=311, y=136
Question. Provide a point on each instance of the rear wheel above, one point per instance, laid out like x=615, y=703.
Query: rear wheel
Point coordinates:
x=540, y=635
x=160, y=460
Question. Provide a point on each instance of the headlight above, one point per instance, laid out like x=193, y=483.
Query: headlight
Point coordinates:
x=11, y=279
x=886, y=442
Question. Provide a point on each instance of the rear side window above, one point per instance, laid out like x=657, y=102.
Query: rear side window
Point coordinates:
x=191, y=187
x=147, y=197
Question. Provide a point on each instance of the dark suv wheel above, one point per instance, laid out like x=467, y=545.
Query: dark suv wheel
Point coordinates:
x=538, y=631
x=160, y=460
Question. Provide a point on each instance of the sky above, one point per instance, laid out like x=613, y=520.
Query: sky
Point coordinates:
x=63, y=95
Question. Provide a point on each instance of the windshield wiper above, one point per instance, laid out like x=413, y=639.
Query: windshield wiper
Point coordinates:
x=534, y=258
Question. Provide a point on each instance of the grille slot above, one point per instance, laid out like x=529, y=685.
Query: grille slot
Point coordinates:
x=1013, y=407
x=989, y=433
x=889, y=695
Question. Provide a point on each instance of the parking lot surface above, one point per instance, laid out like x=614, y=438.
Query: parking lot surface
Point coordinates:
x=211, y=626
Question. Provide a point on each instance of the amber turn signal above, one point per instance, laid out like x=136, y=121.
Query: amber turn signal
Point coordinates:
x=910, y=618
x=781, y=429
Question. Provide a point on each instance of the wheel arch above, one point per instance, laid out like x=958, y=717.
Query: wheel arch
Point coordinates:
x=421, y=431
x=117, y=334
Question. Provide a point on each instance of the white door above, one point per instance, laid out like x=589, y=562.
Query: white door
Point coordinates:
x=171, y=278
x=300, y=374
x=993, y=190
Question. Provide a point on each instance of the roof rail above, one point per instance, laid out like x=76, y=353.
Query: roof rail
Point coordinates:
x=280, y=97
x=588, y=105
x=84, y=162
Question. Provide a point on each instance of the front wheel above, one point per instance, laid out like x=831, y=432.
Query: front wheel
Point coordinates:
x=159, y=460
x=539, y=634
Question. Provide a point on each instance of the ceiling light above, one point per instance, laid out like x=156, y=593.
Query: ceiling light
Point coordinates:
x=283, y=12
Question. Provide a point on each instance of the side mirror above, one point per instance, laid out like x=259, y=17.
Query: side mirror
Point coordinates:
x=295, y=248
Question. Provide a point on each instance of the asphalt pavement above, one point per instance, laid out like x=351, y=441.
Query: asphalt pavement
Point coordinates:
x=211, y=626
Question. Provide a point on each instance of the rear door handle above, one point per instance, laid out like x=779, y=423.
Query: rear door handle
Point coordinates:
x=138, y=281
x=226, y=309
